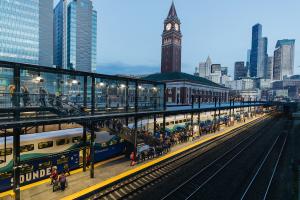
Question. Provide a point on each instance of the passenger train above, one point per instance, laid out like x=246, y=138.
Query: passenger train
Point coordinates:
x=39, y=152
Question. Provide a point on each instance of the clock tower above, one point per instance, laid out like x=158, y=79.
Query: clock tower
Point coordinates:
x=171, y=43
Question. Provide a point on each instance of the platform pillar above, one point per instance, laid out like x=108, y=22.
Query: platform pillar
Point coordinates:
x=164, y=123
x=84, y=148
x=154, y=128
x=219, y=112
x=16, y=136
x=135, y=137
x=92, y=151
x=199, y=113
x=16, y=163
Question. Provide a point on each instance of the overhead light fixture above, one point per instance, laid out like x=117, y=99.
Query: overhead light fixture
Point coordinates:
x=122, y=86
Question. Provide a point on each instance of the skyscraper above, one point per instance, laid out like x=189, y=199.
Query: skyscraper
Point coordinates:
x=202, y=69
x=284, y=59
x=27, y=31
x=171, y=43
x=208, y=64
x=258, y=55
x=248, y=62
x=262, y=64
x=270, y=68
x=239, y=70
x=205, y=68
x=75, y=35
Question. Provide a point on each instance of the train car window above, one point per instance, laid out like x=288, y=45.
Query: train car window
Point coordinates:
x=176, y=122
x=167, y=123
x=184, y=120
x=62, y=160
x=8, y=152
x=44, y=165
x=61, y=142
x=26, y=168
x=103, y=145
x=5, y=175
x=113, y=142
x=76, y=139
x=88, y=137
x=26, y=148
x=180, y=121
x=172, y=122
x=43, y=145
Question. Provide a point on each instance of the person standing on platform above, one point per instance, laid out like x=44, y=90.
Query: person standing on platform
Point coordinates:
x=53, y=175
x=132, y=158
x=62, y=180
x=66, y=169
x=88, y=160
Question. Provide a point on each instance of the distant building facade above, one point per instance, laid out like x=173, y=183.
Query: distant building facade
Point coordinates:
x=284, y=59
x=240, y=71
x=215, y=68
x=269, y=74
x=290, y=84
x=171, y=43
x=204, y=68
x=224, y=71
x=26, y=32
x=181, y=87
x=75, y=35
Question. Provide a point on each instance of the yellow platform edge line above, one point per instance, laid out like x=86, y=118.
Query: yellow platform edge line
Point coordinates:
x=29, y=186
x=148, y=164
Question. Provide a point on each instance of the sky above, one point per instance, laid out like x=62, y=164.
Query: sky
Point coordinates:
x=129, y=31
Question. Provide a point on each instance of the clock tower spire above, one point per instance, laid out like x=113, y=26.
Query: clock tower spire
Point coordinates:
x=171, y=43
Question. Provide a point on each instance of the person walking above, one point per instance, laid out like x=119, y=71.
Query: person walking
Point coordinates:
x=26, y=98
x=62, y=180
x=12, y=93
x=43, y=94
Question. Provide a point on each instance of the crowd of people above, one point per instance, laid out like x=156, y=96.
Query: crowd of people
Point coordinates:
x=26, y=96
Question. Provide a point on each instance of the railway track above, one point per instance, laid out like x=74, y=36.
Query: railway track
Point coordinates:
x=259, y=186
x=136, y=183
x=256, y=188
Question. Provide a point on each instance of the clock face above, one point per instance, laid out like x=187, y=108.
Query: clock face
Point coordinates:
x=176, y=27
x=168, y=27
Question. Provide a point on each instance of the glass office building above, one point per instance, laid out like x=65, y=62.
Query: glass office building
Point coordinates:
x=284, y=56
x=75, y=35
x=258, y=54
x=94, y=41
x=26, y=31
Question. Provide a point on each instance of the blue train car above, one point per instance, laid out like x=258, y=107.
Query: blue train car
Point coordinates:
x=40, y=152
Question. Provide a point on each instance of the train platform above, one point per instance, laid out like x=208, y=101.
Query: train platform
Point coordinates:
x=106, y=172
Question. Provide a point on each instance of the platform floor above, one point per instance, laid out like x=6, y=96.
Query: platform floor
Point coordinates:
x=104, y=171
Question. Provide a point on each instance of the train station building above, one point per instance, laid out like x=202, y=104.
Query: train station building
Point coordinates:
x=181, y=87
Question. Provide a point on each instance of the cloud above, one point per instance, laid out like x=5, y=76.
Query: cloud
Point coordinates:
x=126, y=69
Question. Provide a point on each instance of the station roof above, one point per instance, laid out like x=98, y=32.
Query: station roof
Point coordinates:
x=180, y=76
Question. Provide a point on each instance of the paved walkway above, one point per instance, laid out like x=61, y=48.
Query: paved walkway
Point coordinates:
x=105, y=170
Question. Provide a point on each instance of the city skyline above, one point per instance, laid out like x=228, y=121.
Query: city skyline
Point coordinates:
x=196, y=47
